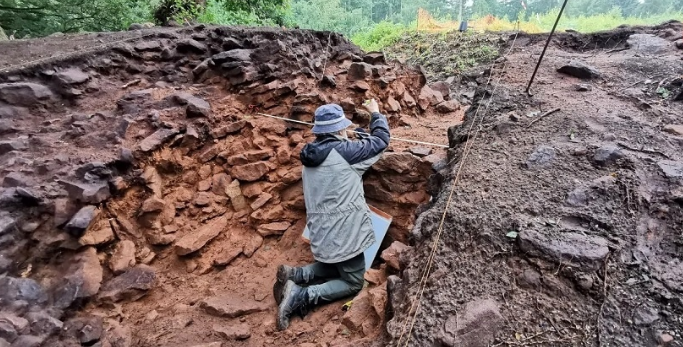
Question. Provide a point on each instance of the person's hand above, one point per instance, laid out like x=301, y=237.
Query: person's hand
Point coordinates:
x=371, y=105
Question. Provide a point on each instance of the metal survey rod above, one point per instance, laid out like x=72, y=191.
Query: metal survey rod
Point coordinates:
x=528, y=87
x=357, y=132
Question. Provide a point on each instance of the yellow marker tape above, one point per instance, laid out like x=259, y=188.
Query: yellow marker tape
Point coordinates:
x=347, y=305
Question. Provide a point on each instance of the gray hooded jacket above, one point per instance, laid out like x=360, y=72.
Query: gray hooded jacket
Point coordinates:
x=337, y=215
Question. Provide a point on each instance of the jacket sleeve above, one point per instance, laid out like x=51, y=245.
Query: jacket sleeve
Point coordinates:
x=363, y=153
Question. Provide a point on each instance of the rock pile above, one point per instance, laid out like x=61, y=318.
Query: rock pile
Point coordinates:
x=150, y=153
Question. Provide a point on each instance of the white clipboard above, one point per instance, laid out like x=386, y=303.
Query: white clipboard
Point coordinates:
x=380, y=225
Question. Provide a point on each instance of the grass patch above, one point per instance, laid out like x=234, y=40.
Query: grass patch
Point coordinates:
x=380, y=36
x=540, y=23
x=445, y=54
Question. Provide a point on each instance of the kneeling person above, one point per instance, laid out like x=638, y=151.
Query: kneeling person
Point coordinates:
x=337, y=215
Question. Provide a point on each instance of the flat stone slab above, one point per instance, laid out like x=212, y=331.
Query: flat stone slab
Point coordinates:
x=195, y=240
x=196, y=107
x=231, y=306
x=475, y=326
x=131, y=285
x=607, y=154
x=91, y=193
x=24, y=93
x=579, y=69
x=542, y=156
x=81, y=220
x=240, y=331
x=72, y=76
x=123, y=257
x=82, y=279
x=392, y=253
x=649, y=44
x=671, y=169
x=7, y=224
x=670, y=273
x=155, y=140
x=14, y=289
x=589, y=251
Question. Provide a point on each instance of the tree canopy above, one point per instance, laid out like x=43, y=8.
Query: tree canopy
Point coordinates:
x=34, y=18
x=43, y=17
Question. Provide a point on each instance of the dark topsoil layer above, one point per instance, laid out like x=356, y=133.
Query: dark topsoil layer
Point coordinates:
x=563, y=230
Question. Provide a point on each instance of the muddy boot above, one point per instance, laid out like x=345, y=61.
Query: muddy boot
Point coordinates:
x=284, y=273
x=294, y=301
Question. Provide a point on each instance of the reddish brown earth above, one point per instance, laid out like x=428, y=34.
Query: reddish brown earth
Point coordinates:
x=146, y=203
x=563, y=230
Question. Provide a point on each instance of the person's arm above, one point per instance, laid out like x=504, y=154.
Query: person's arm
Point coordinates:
x=363, y=153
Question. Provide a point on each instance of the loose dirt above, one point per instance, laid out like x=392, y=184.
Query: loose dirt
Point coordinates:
x=565, y=230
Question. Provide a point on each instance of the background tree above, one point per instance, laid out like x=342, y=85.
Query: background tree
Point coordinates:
x=42, y=17
x=628, y=7
x=330, y=15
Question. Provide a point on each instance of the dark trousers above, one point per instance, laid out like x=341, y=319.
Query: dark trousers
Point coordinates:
x=341, y=279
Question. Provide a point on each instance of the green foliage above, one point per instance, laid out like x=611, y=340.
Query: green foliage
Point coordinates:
x=586, y=24
x=373, y=24
x=612, y=19
x=35, y=18
x=184, y=11
x=444, y=54
x=267, y=11
x=225, y=12
x=381, y=35
x=328, y=15
x=216, y=13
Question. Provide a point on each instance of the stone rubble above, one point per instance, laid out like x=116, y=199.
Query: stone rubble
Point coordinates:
x=361, y=316
x=392, y=253
x=171, y=174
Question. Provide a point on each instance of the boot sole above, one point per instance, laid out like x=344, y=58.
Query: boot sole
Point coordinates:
x=281, y=321
x=280, y=280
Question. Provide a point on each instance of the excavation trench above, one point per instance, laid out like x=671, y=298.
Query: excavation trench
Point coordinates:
x=146, y=203
x=214, y=233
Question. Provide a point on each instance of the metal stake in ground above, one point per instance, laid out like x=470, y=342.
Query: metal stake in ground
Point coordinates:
x=540, y=59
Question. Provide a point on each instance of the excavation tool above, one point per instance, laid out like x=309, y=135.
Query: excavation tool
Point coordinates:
x=347, y=305
x=392, y=138
x=540, y=59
